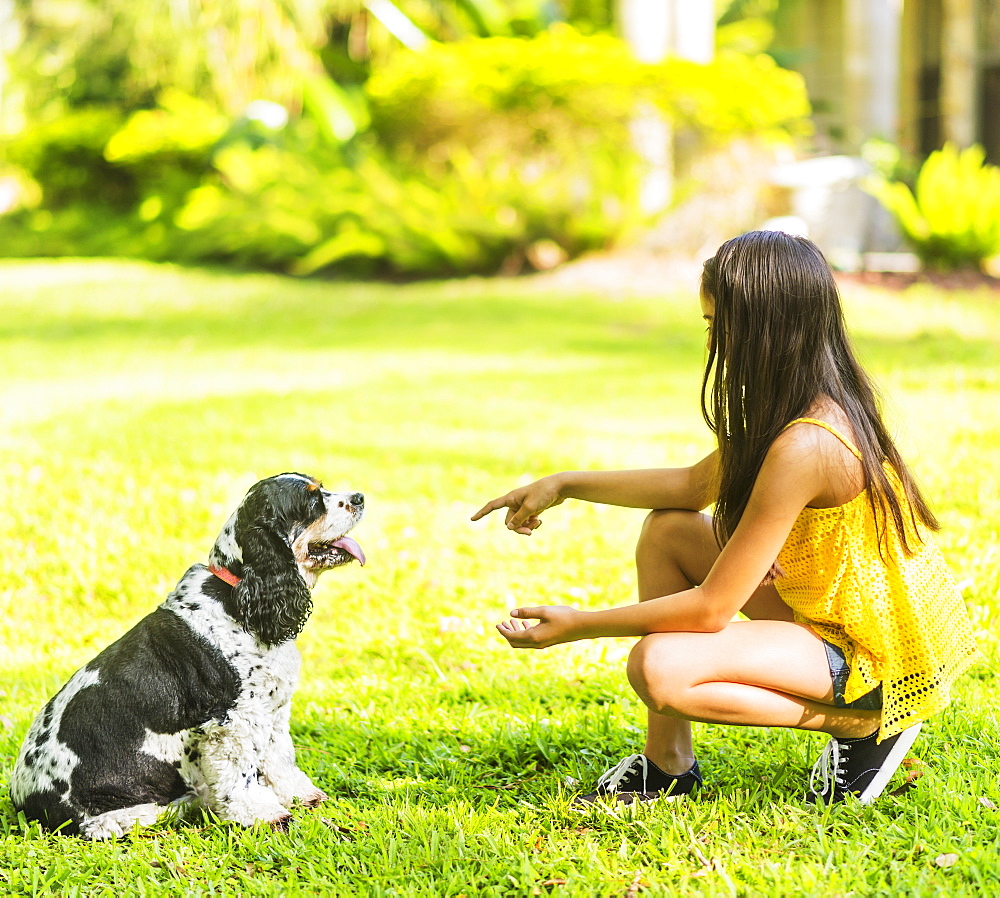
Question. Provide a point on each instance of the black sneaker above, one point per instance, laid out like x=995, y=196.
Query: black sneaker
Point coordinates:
x=636, y=778
x=858, y=767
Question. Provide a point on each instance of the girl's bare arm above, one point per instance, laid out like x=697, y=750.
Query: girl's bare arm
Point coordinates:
x=792, y=476
x=686, y=488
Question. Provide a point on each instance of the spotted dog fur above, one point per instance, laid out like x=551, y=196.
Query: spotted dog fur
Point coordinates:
x=191, y=707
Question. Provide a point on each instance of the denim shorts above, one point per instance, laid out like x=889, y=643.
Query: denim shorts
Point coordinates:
x=839, y=672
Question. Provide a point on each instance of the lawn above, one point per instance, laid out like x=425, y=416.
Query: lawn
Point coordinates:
x=137, y=405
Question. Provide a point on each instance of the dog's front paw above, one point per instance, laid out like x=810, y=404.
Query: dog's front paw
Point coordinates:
x=314, y=798
x=254, y=805
x=293, y=786
x=281, y=824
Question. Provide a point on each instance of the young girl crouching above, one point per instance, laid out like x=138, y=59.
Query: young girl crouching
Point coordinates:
x=819, y=536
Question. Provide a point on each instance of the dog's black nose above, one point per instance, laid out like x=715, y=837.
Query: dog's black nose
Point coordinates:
x=358, y=499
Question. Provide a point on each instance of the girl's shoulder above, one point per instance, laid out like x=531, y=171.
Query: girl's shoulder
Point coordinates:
x=825, y=432
x=824, y=441
x=825, y=424
x=815, y=430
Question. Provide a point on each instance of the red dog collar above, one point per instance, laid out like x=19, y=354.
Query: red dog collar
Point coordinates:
x=220, y=572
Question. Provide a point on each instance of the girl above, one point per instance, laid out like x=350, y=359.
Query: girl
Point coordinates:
x=819, y=537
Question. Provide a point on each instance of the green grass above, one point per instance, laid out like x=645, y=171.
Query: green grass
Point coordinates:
x=138, y=403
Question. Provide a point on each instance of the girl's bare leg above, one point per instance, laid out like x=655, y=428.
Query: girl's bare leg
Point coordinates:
x=752, y=673
x=676, y=550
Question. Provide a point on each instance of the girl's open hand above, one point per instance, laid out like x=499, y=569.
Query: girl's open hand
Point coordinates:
x=556, y=624
x=525, y=504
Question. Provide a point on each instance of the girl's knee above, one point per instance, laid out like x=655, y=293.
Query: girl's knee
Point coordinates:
x=664, y=528
x=676, y=550
x=654, y=673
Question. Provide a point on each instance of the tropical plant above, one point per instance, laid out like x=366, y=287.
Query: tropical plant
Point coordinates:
x=480, y=153
x=473, y=156
x=952, y=215
x=322, y=147
x=82, y=53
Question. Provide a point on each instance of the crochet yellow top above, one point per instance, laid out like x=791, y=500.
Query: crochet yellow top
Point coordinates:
x=900, y=621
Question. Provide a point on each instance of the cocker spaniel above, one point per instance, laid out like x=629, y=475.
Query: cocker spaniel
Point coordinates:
x=191, y=707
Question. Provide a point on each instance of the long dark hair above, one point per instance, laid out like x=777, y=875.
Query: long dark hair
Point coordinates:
x=778, y=343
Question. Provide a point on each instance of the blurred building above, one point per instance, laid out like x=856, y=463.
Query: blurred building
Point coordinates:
x=916, y=73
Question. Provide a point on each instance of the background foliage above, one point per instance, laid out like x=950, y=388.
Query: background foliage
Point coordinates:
x=305, y=135
x=951, y=216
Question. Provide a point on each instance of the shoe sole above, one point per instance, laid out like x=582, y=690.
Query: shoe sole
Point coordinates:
x=890, y=765
x=607, y=802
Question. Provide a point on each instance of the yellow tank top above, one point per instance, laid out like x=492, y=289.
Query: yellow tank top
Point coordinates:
x=899, y=619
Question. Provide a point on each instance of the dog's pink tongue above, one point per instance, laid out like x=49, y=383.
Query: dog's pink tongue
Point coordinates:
x=349, y=545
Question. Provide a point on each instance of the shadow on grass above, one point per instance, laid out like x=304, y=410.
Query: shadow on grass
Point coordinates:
x=160, y=308
x=233, y=312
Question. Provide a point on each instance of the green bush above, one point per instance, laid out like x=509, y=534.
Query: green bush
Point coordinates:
x=65, y=156
x=110, y=185
x=482, y=155
x=476, y=156
x=952, y=216
x=564, y=90
x=736, y=95
x=71, y=199
x=305, y=212
x=535, y=135
x=167, y=151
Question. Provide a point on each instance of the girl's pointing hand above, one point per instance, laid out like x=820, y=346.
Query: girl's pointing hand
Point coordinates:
x=525, y=504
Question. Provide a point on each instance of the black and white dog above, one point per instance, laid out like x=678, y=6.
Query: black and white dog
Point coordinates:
x=190, y=708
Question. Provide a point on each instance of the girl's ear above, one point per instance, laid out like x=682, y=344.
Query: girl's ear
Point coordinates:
x=272, y=599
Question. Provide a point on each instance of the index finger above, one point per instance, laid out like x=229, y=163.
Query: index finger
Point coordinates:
x=492, y=505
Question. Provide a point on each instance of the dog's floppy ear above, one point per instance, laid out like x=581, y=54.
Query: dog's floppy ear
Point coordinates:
x=272, y=599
